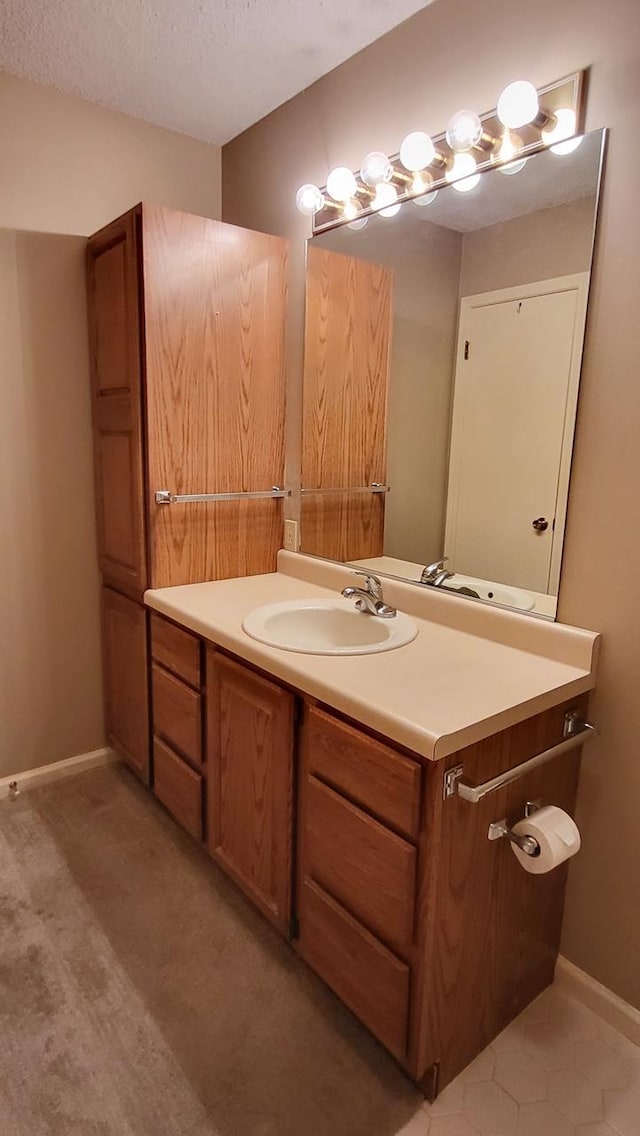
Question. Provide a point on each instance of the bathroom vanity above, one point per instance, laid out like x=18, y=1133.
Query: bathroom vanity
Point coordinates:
x=318, y=784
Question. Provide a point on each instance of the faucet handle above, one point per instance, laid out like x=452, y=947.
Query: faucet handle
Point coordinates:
x=437, y=565
x=374, y=585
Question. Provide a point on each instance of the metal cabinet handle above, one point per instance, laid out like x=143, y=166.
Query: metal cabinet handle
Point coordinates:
x=540, y=524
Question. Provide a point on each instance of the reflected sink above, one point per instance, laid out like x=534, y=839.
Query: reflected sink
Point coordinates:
x=327, y=627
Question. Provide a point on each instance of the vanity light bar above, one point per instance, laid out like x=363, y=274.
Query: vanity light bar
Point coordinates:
x=525, y=121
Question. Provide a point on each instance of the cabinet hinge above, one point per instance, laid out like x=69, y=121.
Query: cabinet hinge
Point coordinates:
x=466, y=348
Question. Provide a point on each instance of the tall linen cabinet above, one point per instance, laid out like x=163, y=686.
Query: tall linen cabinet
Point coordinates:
x=186, y=327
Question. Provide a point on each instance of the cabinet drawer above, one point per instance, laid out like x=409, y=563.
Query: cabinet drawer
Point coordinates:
x=178, y=787
x=375, y=776
x=361, y=971
x=367, y=868
x=177, y=714
x=176, y=649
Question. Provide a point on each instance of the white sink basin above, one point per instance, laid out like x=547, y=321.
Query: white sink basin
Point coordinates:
x=327, y=627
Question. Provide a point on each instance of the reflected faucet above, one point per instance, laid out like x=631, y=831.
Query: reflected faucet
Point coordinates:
x=370, y=598
x=435, y=574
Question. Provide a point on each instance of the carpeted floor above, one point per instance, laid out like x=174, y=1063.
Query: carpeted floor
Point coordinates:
x=141, y=995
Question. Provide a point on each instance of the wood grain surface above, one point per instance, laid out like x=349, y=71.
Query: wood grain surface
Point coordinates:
x=177, y=714
x=115, y=363
x=362, y=864
x=366, y=771
x=124, y=650
x=365, y=975
x=178, y=787
x=348, y=320
x=490, y=931
x=250, y=783
x=215, y=298
x=176, y=649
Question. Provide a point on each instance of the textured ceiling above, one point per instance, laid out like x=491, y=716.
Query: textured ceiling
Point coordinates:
x=208, y=68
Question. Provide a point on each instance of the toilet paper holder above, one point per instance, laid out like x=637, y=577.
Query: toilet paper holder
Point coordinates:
x=500, y=828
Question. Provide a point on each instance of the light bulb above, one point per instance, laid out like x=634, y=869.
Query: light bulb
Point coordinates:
x=359, y=224
x=464, y=131
x=559, y=136
x=386, y=195
x=464, y=167
x=309, y=199
x=376, y=168
x=417, y=151
x=341, y=184
x=518, y=104
x=425, y=198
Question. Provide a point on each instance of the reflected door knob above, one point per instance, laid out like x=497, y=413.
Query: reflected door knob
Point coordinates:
x=540, y=524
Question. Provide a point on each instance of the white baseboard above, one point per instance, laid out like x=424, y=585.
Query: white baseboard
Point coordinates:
x=618, y=1013
x=58, y=769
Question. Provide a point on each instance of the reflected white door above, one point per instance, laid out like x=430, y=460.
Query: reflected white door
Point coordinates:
x=515, y=393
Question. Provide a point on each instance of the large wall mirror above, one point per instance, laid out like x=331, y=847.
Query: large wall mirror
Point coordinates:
x=443, y=346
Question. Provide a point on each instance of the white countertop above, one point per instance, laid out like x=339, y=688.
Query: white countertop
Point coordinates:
x=467, y=675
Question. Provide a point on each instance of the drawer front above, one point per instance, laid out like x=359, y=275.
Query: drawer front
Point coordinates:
x=177, y=714
x=176, y=649
x=373, y=775
x=178, y=787
x=367, y=868
x=362, y=972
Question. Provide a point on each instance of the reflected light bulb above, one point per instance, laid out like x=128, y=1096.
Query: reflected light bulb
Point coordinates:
x=464, y=131
x=506, y=155
x=559, y=136
x=359, y=224
x=518, y=104
x=341, y=184
x=426, y=198
x=387, y=196
x=417, y=151
x=464, y=167
x=376, y=168
x=309, y=199
x=350, y=209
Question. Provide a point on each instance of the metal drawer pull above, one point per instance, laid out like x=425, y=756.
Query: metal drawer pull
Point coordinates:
x=166, y=497
x=576, y=731
x=375, y=487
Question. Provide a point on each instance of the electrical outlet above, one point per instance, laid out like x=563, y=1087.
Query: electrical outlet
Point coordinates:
x=291, y=536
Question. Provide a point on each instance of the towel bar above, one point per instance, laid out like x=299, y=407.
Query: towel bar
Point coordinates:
x=576, y=731
x=375, y=487
x=166, y=497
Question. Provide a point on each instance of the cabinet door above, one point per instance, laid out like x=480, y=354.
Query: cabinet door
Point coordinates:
x=114, y=341
x=124, y=639
x=250, y=783
x=215, y=298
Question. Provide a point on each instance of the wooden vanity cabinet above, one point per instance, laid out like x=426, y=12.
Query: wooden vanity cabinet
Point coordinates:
x=186, y=334
x=250, y=722
x=432, y=934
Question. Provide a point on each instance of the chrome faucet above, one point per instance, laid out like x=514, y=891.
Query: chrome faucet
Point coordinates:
x=370, y=598
x=436, y=573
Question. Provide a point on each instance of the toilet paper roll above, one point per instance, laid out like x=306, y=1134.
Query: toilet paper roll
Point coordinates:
x=556, y=833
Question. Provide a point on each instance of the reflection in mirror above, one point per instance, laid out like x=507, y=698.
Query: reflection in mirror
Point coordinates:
x=442, y=362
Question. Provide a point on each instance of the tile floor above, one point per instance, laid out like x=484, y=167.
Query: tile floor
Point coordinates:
x=558, y=1070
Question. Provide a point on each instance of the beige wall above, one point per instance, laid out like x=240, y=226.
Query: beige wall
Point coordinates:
x=538, y=246
x=67, y=168
x=447, y=56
